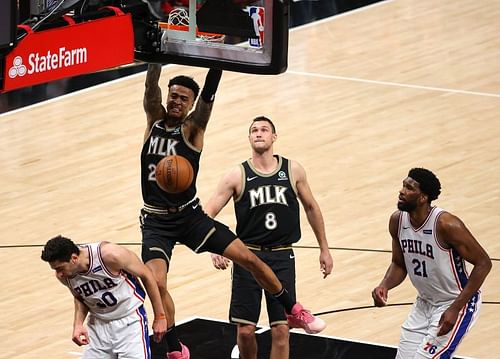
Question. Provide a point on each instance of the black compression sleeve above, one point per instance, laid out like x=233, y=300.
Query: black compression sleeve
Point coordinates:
x=211, y=83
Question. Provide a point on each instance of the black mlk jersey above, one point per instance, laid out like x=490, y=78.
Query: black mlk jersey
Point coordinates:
x=267, y=210
x=161, y=142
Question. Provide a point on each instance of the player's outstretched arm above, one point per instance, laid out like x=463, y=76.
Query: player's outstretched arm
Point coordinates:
x=396, y=272
x=80, y=335
x=198, y=119
x=314, y=217
x=118, y=258
x=453, y=233
x=228, y=186
x=152, y=97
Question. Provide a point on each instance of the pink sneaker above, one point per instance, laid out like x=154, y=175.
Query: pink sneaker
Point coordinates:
x=302, y=318
x=183, y=354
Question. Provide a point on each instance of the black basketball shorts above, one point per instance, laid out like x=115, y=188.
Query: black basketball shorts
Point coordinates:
x=246, y=294
x=191, y=227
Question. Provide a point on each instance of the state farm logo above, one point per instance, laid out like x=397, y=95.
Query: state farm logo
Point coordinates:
x=17, y=69
x=38, y=63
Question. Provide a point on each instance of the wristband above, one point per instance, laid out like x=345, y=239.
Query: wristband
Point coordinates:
x=160, y=317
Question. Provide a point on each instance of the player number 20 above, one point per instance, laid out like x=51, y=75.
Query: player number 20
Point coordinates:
x=270, y=221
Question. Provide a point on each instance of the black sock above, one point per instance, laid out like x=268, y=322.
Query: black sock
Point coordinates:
x=172, y=340
x=284, y=298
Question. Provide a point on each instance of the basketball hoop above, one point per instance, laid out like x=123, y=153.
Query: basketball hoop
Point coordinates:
x=178, y=20
x=178, y=16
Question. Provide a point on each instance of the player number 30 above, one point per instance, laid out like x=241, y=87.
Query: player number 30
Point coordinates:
x=107, y=300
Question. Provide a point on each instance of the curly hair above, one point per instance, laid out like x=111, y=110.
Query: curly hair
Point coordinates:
x=185, y=81
x=429, y=183
x=59, y=249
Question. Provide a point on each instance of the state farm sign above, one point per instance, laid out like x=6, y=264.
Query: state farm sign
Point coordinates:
x=47, y=62
x=70, y=51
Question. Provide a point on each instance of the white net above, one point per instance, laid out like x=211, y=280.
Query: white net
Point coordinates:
x=180, y=17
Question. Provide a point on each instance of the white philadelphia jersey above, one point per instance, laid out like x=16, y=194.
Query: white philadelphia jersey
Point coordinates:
x=107, y=296
x=439, y=274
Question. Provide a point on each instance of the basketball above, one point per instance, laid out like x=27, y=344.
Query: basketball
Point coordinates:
x=174, y=174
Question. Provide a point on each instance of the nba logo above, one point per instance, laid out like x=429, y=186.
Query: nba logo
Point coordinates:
x=257, y=15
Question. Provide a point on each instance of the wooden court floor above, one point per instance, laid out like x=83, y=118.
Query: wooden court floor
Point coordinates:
x=367, y=96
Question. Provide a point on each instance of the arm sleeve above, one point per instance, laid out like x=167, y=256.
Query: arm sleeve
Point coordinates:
x=211, y=83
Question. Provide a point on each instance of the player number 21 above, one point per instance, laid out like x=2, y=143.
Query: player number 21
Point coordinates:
x=420, y=268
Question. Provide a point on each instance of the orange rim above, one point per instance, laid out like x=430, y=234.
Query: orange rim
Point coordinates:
x=185, y=28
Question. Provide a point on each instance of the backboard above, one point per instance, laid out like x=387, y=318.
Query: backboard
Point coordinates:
x=237, y=35
x=8, y=23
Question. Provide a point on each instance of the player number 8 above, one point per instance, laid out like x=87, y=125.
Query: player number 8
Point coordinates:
x=271, y=222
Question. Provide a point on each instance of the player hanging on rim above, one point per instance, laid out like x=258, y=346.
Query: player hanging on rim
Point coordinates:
x=167, y=218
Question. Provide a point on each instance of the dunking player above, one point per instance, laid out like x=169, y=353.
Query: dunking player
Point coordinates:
x=431, y=246
x=265, y=189
x=167, y=218
x=103, y=280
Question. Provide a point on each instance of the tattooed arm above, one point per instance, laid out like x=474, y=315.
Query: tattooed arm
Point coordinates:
x=152, y=97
